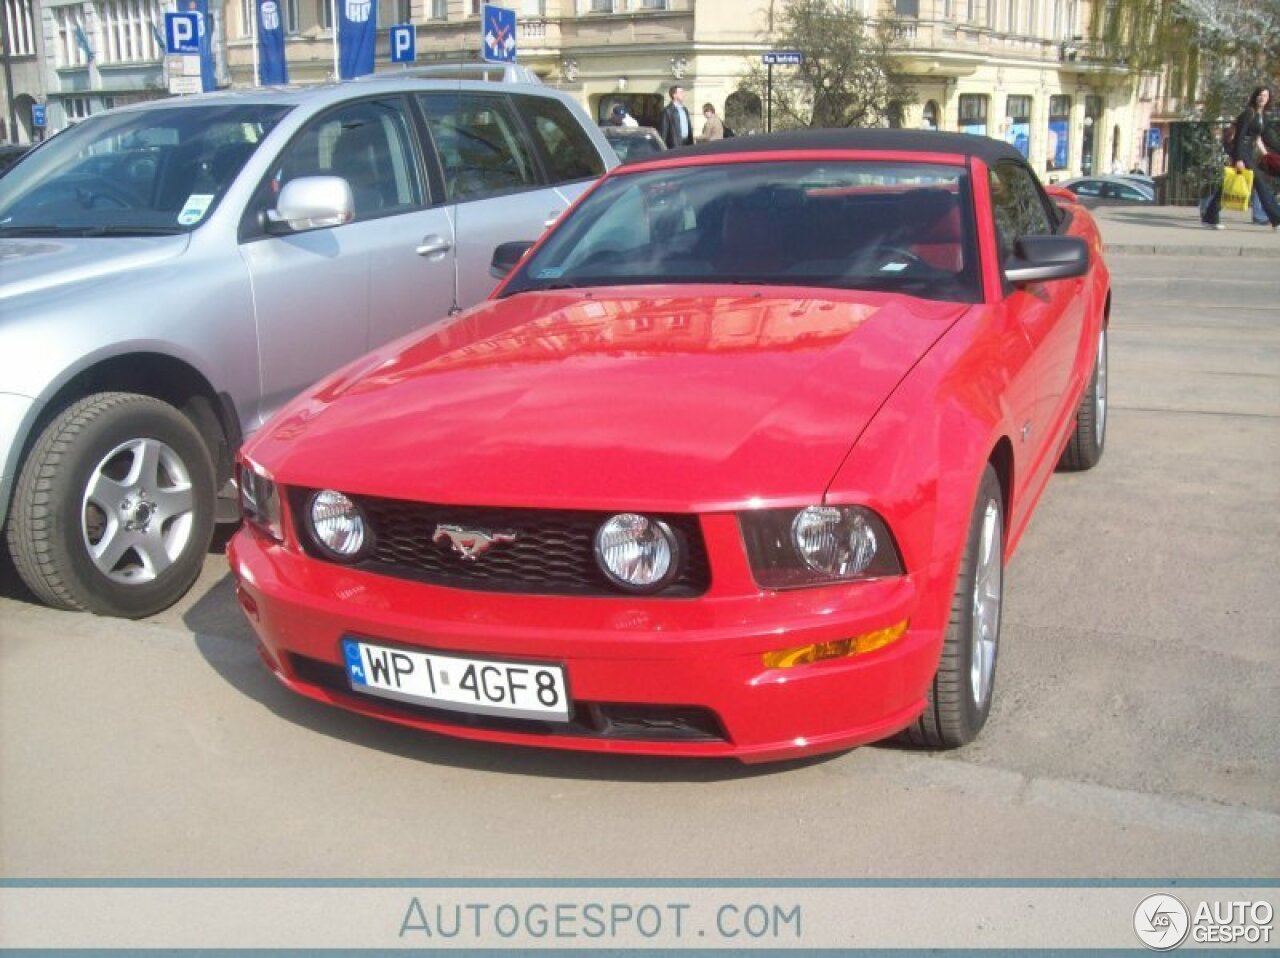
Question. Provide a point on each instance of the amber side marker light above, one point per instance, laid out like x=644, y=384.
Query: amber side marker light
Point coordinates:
x=839, y=649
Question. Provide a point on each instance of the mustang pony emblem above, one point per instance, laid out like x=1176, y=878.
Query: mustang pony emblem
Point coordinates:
x=471, y=543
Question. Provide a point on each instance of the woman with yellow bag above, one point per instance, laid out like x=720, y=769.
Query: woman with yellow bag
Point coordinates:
x=1245, y=148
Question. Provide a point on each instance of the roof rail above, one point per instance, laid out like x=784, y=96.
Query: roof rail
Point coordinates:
x=493, y=72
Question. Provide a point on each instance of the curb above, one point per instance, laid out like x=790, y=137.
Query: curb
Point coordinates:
x=1153, y=249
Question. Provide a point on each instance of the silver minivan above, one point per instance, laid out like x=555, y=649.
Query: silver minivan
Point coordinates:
x=172, y=272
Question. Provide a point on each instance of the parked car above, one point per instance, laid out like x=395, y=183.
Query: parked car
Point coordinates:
x=174, y=271
x=730, y=465
x=10, y=154
x=1110, y=189
x=634, y=142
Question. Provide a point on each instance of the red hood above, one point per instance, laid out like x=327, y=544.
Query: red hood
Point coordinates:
x=606, y=399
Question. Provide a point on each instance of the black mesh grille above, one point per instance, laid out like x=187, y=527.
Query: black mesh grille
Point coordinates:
x=552, y=553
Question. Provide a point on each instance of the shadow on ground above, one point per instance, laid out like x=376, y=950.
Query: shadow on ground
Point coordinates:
x=225, y=639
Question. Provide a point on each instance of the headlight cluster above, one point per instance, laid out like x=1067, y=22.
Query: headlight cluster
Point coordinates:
x=260, y=500
x=791, y=548
x=637, y=553
x=337, y=525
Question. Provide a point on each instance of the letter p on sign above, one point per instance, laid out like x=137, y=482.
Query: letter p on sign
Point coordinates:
x=403, y=42
x=182, y=33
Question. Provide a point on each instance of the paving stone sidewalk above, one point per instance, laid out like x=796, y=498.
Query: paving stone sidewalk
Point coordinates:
x=1176, y=231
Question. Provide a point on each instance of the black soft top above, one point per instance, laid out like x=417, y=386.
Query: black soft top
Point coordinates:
x=910, y=141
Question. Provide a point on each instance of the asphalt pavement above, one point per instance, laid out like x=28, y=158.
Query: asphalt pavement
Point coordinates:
x=1134, y=731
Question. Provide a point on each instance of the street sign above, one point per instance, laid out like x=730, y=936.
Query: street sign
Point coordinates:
x=1153, y=139
x=498, y=31
x=39, y=119
x=183, y=84
x=404, y=43
x=182, y=33
x=779, y=58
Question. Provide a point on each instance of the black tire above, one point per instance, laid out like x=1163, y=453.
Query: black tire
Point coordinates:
x=958, y=700
x=151, y=462
x=1087, y=442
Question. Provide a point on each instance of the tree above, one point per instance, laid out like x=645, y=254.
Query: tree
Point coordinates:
x=1214, y=50
x=848, y=75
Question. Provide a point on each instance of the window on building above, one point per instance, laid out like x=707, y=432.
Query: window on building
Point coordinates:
x=973, y=113
x=128, y=30
x=1017, y=123
x=930, y=117
x=395, y=11
x=602, y=6
x=907, y=8
x=324, y=14
x=246, y=17
x=19, y=27
x=73, y=42
x=533, y=8
x=475, y=7
x=292, y=17
x=653, y=4
x=439, y=9
x=1059, y=132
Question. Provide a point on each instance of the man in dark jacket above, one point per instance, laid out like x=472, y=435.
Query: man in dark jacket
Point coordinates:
x=674, y=126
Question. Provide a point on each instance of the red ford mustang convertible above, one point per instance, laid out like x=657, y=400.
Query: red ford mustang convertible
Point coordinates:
x=730, y=464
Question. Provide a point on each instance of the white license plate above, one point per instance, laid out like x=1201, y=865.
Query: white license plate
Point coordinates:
x=483, y=686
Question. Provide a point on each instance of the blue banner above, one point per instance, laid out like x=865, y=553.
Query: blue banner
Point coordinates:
x=208, y=78
x=273, y=69
x=357, y=37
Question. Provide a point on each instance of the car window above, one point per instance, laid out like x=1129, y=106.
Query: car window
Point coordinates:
x=1018, y=205
x=1087, y=188
x=369, y=144
x=481, y=148
x=569, y=152
x=156, y=170
x=846, y=225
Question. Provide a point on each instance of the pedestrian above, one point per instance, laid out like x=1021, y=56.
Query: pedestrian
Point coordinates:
x=713, y=128
x=620, y=117
x=1247, y=145
x=674, y=126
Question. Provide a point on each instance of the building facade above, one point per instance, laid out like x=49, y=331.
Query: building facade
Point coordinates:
x=1015, y=69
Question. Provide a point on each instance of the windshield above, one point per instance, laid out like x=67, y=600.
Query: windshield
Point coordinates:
x=134, y=172
x=842, y=224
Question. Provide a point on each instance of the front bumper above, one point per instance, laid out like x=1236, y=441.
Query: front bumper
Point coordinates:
x=647, y=676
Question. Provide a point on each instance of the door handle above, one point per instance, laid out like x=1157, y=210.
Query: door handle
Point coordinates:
x=433, y=244
x=551, y=218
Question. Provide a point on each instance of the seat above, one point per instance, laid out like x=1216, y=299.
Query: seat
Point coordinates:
x=360, y=156
x=930, y=226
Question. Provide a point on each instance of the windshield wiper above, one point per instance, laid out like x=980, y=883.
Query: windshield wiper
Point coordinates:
x=90, y=230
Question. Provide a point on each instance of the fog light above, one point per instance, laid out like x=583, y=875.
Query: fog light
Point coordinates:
x=839, y=649
x=637, y=553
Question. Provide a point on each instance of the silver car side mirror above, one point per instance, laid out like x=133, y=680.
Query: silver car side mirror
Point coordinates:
x=312, y=202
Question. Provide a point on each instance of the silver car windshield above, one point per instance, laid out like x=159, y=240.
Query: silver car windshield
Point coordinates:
x=897, y=226
x=134, y=172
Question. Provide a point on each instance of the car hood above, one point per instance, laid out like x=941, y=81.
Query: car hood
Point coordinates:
x=41, y=264
x=601, y=399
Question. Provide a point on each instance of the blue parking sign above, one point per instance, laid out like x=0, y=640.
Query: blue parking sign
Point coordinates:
x=1153, y=139
x=182, y=33
x=404, y=43
x=498, y=27
x=39, y=119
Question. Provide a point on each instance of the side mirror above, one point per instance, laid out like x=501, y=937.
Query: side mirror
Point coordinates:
x=1039, y=258
x=506, y=257
x=310, y=203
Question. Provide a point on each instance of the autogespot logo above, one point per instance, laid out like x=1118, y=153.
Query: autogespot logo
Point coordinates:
x=1161, y=922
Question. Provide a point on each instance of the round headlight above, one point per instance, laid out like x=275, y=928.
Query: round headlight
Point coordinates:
x=637, y=553
x=835, y=542
x=337, y=524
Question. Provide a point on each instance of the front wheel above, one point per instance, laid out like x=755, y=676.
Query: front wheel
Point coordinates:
x=1085, y=446
x=959, y=698
x=113, y=510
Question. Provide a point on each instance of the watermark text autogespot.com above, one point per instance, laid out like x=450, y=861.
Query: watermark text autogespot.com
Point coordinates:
x=614, y=921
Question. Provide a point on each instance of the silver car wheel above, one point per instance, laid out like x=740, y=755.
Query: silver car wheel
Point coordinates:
x=987, y=592
x=138, y=512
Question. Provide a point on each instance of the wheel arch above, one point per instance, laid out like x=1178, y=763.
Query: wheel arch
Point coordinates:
x=149, y=373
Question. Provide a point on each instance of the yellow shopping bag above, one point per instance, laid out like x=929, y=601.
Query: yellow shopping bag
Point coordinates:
x=1237, y=187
